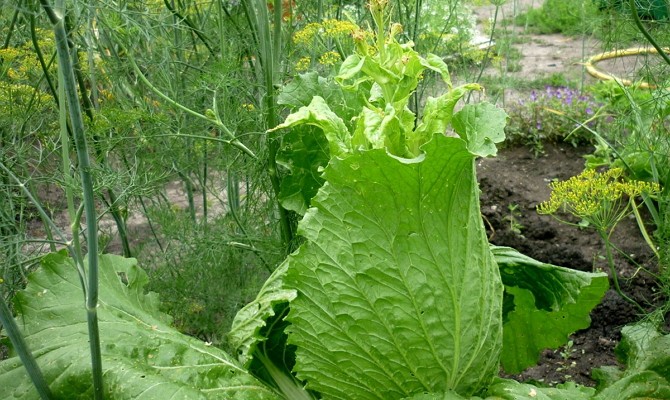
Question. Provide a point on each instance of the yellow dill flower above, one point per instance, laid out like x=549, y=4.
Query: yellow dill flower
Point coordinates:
x=248, y=107
x=334, y=28
x=596, y=197
x=328, y=28
x=329, y=58
x=306, y=35
x=9, y=54
x=303, y=64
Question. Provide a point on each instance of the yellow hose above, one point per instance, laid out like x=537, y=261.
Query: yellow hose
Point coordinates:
x=604, y=76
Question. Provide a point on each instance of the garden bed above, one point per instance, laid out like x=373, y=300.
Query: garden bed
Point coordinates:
x=512, y=185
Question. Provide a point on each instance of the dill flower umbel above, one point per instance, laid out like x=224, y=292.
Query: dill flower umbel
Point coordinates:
x=327, y=29
x=596, y=197
x=303, y=64
x=329, y=58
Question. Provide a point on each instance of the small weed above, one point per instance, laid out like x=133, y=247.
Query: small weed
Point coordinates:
x=514, y=224
x=568, y=350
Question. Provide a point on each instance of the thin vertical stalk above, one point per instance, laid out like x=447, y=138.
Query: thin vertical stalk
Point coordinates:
x=65, y=165
x=10, y=31
x=6, y=318
x=645, y=32
x=415, y=35
x=615, y=278
x=119, y=220
x=205, y=171
x=488, y=49
x=14, y=334
x=268, y=50
x=65, y=63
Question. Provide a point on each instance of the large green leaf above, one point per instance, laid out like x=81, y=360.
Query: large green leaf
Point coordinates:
x=398, y=292
x=646, y=354
x=551, y=285
x=143, y=356
x=304, y=152
x=319, y=114
x=547, y=304
x=482, y=125
x=245, y=333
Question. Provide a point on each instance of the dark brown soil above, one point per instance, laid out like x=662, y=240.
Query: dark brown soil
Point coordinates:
x=517, y=179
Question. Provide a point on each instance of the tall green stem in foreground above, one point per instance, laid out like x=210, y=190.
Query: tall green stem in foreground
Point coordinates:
x=34, y=372
x=56, y=17
x=268, y=49
x=6, y=318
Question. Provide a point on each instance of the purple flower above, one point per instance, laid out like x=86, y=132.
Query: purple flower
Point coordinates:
x=588, y=111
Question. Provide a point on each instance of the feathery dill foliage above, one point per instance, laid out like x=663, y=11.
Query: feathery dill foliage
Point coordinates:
x=596, y=197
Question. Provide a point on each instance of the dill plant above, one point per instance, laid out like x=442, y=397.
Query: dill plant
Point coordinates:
x=602, y=200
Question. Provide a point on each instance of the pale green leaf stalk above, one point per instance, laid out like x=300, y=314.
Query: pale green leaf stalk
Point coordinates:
x=77, y=123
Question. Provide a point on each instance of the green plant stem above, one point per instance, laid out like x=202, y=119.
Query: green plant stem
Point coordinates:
x=488, y=49
x=268, y=50
x=66, y=165
x=65, y=63
x=189, y=191
x=415, y=35
x=40, y=58
x=232, y=188
x=203, y=183
x=645, y=32
x=615, y=278
x=643, y=229
x=14, y=334
x=12, y=24
x=40, y=210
